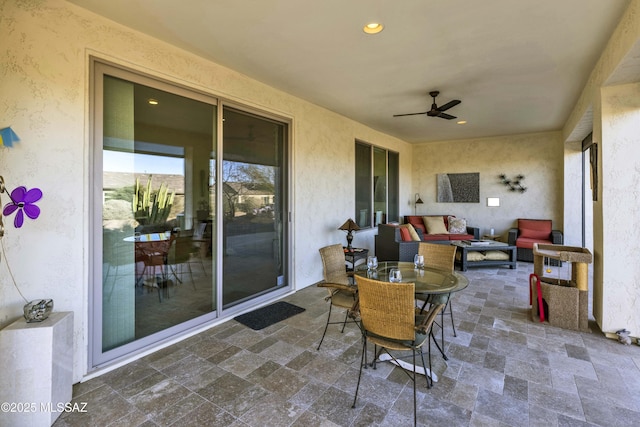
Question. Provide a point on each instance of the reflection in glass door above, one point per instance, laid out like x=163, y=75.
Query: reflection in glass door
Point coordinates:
x=253, y=198
x=158, y=260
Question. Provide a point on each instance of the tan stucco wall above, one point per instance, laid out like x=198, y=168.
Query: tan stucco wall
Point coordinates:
x=536, y=156
x=44, y=87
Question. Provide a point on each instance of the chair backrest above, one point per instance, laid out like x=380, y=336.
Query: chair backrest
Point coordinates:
x=199, y=230
x=181, y=250
x=438, y=256
x=333, y=264
x=387, y=309
x=534, y=228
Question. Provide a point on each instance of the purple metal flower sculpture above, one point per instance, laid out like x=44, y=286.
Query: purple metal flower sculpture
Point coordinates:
x=23, y=201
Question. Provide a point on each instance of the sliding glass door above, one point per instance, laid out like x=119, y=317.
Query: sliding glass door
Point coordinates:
x=254, y=205
x=175, y=245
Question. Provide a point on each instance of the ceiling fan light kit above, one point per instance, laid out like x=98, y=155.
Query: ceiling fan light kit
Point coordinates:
x=436, y=111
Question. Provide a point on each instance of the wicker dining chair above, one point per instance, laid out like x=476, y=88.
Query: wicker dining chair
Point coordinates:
x=339, y=284
x=442, y=257
x=391, y=321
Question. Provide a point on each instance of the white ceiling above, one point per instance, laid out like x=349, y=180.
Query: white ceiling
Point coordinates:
x=517, y=66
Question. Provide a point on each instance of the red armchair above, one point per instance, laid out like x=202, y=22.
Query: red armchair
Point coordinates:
x=532, y=231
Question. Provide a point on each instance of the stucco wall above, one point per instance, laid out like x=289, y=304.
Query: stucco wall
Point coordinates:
x=539, y=157
x=615, y=286
x=44, y=87
x=620, y=207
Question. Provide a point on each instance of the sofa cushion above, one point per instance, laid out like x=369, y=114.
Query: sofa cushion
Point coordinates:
x=457, y=225
x=534, y=228
x=435, y=224
x=435, y=237
x=417, y=223
x=464, y=236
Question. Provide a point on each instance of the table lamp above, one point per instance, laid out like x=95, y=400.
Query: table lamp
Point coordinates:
x=349, y=226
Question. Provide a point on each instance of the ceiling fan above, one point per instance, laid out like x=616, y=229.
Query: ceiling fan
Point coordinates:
x=435, y=110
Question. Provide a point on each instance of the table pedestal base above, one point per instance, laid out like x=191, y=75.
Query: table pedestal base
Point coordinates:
x=408, y=366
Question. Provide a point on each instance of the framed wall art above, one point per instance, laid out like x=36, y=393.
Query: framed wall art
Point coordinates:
x=458, y=187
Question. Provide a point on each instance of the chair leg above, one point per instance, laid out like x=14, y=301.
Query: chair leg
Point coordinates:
x=415, y=403
x=346, y=317
x=363, y=361
x=453, y=326
x=424, y=365
x=325, y=327
x=433, y=337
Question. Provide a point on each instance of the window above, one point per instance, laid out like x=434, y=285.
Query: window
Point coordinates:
x=376, y=185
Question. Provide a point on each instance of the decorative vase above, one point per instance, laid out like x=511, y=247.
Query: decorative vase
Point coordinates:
x=38, y=310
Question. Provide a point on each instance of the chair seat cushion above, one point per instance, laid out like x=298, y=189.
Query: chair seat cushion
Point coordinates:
x=398, y=345
x=526, y=242
x=342, y=298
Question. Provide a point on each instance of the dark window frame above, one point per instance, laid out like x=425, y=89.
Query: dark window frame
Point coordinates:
x=379, y=189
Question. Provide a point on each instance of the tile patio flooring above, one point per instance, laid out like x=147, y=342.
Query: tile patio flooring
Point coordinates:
x=503, y=370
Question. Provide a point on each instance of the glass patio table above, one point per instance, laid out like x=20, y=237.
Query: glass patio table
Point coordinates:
x=428, y=281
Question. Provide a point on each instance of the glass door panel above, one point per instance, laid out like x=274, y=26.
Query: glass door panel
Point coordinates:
x=157, y=223
x=254, y=206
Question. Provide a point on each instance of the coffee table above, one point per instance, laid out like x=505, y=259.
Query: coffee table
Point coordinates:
x=485, y=246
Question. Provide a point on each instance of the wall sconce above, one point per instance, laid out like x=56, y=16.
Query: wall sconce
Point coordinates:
x=349, y=226
x=493, y=201
x=417, y=201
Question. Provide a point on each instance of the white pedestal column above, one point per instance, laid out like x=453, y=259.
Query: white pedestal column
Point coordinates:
x=36, y=370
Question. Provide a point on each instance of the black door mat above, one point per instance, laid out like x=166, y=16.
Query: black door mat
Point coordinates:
x=267, y=316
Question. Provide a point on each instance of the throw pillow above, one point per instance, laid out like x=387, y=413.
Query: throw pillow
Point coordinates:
x=435, y=224
x=457, y=225
x=472, y=256
x=412, y=232
x=404, y=234
x=496, y=256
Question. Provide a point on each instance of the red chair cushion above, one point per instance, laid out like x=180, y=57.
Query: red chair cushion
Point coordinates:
x=539, y=229
x=525, y=242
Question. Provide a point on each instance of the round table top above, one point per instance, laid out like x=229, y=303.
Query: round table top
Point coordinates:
x=427, y=280
x=151, y=237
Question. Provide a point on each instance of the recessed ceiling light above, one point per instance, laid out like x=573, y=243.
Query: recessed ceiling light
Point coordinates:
x=153, y=101
x=462, y=122
x=373, y=28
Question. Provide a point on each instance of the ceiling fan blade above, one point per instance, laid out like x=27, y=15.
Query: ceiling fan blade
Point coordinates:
x=409, y=114
x=449, y=104
x=446, y=116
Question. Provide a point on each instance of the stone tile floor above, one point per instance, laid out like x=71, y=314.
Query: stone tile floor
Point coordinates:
x=503, y=370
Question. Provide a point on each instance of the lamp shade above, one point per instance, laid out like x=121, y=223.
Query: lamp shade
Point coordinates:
x=349, y=225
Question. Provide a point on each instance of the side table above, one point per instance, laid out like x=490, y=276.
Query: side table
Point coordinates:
x=354, y=255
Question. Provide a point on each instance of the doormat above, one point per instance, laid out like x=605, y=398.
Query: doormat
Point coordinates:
x=267, y=316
